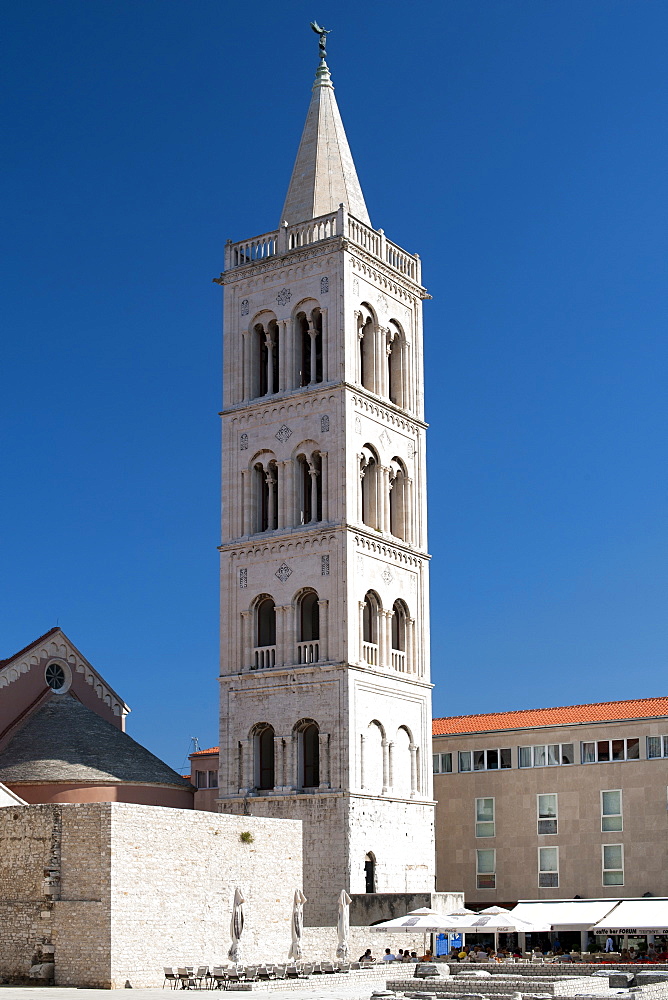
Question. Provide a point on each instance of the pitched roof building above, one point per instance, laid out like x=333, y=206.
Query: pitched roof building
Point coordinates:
x=62, y=734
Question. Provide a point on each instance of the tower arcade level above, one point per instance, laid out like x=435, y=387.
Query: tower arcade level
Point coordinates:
x=325, y=704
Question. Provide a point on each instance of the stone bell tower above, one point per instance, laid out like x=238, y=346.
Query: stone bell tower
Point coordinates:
x=325, y=707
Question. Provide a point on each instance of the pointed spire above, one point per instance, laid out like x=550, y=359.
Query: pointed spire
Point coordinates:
x=324, y=174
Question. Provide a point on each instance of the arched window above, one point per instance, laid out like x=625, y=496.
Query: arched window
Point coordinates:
x=310, y=487
x=370, y=629
x=398, y=499
x=396, y=365
x=369, y=873
x=265, y=624
x=310, y=740
x=399, y=635
x=309, y=330
x=369, y=487
x=308, y=646
x=266, y=353
x=367, y=347
x=266, y=496
x=401, y=763
x=264, y=756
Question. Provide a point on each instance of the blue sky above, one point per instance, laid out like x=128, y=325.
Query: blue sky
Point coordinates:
x=519, y=146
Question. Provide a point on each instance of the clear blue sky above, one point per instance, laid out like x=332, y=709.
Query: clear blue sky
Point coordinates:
x=519, y=146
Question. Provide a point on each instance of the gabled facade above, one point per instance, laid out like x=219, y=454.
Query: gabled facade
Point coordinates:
x=325, y=691
x=62, y=734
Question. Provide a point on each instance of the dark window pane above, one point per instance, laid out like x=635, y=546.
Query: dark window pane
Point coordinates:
x=603, y=750
x=478, y=760
x=633, y=749
x=618, y=750
x=492, y=760
x=567, y=755
x=505, y=757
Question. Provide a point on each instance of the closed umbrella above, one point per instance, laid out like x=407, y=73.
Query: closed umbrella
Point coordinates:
x=343, y=926
x=295, y=952
x=236, y=926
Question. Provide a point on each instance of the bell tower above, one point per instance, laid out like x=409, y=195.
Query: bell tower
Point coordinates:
x=325, y=697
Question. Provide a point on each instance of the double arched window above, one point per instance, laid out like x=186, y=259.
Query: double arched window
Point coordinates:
x=265, y=633
x=383, y=357
x=302, y=638
x=386, y=637
x=385, y=495
x=308, y=327
x=265, y=495
x=293, y=760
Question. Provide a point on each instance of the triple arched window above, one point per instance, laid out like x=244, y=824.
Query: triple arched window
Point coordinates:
x=284, y=355
x=383, y=361
x=303, y=633
x=387, y=636
x=385, y=495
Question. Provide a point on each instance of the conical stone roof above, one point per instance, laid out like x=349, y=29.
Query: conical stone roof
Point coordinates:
x=324, y=174
x=65, y=741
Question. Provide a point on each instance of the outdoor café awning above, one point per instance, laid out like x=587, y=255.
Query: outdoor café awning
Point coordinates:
x=635, y=916
x=564, y=914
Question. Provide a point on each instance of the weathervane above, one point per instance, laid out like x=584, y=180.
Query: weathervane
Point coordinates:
x=323, y=32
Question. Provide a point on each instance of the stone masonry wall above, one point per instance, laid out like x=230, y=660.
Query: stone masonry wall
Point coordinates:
x=173, y=876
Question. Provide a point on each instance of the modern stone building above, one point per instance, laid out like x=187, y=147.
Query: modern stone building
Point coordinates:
x=324, y=682
x=62, y=734
x=553, y=803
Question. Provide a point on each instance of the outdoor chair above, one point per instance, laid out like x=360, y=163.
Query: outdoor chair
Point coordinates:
x=317, y=968
x=291, y=972
x=186, y=978
x=355, y=965
x=201, y=973
x=306, y=970
x=344, y=967
x=327, y=967
x=234, y=975
x=250, y=974
x=218, y=978
x=171, y=977
x=279, y=972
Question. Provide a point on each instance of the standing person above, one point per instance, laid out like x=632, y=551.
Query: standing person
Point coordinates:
x=609, y=944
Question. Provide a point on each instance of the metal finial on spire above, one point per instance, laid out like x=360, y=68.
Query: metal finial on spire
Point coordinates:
x=323, y=32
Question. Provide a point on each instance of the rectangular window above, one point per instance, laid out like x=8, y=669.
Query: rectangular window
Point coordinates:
x=611, y=811
x=549, y=755
x=613, y=864
x=200, y=779
x=213, y=779
x=604, y=751
x=485, y=869
x=547, y=814
x=657, y=746
x=484, y=760
x=442, y=763
x=548, y=867
x=484, y=818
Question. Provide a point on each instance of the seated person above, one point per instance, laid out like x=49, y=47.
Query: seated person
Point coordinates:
x=427, y=957
x=388, y=956
x=367, y=956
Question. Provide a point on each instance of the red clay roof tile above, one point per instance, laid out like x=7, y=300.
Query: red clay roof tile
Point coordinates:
x=531, y=718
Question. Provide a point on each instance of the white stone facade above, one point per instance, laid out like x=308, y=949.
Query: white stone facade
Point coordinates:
x=325, y=693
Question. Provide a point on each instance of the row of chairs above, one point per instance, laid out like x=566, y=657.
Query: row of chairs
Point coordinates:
x=223, y=976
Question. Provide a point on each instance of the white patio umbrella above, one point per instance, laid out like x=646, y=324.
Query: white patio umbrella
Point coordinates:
x=236, y=926
x=343, y=926
x=495, y=919
x=295, y=952
x=421, y=920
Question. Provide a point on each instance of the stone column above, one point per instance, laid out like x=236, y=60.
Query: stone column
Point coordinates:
x=323, y=750
x=290, y=354
x=247, y=639
x=252, y=505
x=279, y=763
x=358, y=347
x=268, y=339
x=323, y=617
x=247, y=374
x=291, y=761
x=409, y=512
x=289, y=490
x=247, y=764
x=271, y=498
x=390, y=765
x=282, y=493
x=282, y=355
x=412, y=748
x=313, y=473
x=360, y=510
x=326, y=346
x=389, y=615
x=411, y=666
x=324, y=473
x=386, y=764
x=244, y=510
x=383, y=654
x=362, y=761
x=385, y=487
x=313, y=333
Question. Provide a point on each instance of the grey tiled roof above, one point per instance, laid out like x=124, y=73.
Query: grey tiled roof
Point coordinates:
x=65, y=741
